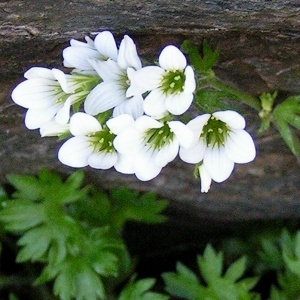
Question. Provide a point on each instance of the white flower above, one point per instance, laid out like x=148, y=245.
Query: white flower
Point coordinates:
x=150, y=144
x=219, y=141
x=77, y=55
x=111, y=93
x=171, y=85
x=49, y=93
x=44, y=97
x=92, y=143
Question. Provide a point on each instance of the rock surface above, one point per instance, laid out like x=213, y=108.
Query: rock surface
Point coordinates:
x=260, y=46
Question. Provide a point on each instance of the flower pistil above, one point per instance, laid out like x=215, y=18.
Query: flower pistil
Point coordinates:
x=214, y=132
x=173, y=82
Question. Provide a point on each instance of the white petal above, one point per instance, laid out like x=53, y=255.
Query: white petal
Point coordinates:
x=231, y=118
x=171, y=58
x=240, y=147
x=217, y=163
x=205, y=179
x=119, y=123
x=89, y=43
x=77, y=57
x=145, y=168
x=128, y=56
x=36, y=92
x=108, y=70
x=63, y=115
x=36, y=117
x=83, y=124
x=167, y=153
x=132, y=106
x=39, y=72
x=196, y=124
x=75, y=152
x=128, y=141
x=182, y=133
x=125, y=164
x=177, y=104
x=105, y=43
x=144, y=123
x=190, y=82
x=144, y=79
x=52, y=128
x=154, y=103
x=61, y=77
x=103, y=97
x=102, y=160
x=193, y=154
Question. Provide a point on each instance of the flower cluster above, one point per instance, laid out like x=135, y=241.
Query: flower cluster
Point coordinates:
x=118, y=113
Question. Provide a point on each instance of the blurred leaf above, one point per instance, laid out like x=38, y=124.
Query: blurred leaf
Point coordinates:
x=271, y=254
x=236, y=270
x=20, y=215
x=129, y=205
x=183, y=283
x=140, y=290
x=27, y=187
x=210, y=264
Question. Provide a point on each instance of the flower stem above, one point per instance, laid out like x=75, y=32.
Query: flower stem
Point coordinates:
x=240, y=95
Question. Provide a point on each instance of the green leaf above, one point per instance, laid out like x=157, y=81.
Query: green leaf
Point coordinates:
x=27, y=187
x=139, y=290
x=106, y=264
x=22, y=215
x=236, y=270
x=277, y=295
x=76, y=280
x=128, y=205
x=270, y=254
x=184, y=283
x=286, y=115
x=202, y=64
x=209, y=100
x=210, y=264
x=75, y=180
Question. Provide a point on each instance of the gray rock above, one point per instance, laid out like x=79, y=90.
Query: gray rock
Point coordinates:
x=260, y=48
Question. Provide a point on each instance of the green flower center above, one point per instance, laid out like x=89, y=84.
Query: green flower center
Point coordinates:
x=86, y=82
x=173, y=82
x=215, y=132
x=124, y=80
x=157, y=138
x=102, y=141
x=60, y=95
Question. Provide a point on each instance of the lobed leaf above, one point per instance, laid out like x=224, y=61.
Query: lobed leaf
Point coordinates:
x=210, y=264
x=140, y=290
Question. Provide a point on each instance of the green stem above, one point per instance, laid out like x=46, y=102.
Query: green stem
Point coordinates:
x=240, y=95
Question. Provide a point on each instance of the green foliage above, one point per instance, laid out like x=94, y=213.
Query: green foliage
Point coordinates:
x=288, y=274
x=128, y=205
x=140, y=290
x=210, y=100
x=267, y=101
x=184, y=283
x=75, y=231
x=202, y=64
x=286, y=117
